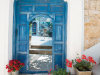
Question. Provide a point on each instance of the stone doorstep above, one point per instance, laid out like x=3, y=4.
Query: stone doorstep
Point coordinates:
x=95, y=71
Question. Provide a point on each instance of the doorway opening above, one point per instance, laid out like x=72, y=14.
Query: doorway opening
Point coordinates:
x=40, y=44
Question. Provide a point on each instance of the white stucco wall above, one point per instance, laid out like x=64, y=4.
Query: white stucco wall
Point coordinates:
x=6, y=20
x=74, y=30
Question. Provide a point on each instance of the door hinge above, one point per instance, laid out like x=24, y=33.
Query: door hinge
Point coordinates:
x=16, y=32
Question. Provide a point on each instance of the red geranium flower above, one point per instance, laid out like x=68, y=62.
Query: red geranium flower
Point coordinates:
x=68, y=63
x=79, y=60
x=14, y=65
x=83, y=56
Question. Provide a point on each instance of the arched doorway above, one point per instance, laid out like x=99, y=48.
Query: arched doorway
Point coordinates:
x=30, y=9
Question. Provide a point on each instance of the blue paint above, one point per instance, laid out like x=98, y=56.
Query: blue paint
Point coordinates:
x=22, y=17
x=24, y=8
x=23, y=47
x=26, y=11
x=42, y=1
x=41, y=8
x=58, y=60
x=22, y=32
x=59, y=18
x=56, y=8
x=23, y=59
x=14, y=31
x=59, y=33
x=58, y=47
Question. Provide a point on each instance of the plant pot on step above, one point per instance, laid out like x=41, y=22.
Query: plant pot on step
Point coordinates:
x=15, y=73
x=82, y=72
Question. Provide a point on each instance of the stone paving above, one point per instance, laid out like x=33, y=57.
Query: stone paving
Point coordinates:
x=39, y=62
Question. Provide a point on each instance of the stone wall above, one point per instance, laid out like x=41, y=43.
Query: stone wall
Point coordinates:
x=91, y=23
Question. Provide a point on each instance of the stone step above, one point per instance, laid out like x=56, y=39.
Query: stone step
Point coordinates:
x=96, y=70
x=40, y=47
x=40, y=51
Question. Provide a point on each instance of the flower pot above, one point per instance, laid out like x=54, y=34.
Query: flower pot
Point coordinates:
x=82, y=72
x=15, y=73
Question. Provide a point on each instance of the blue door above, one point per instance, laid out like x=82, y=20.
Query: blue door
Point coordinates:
x=29, y=9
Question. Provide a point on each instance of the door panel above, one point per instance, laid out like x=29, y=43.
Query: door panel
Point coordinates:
x=23, y=59
x=58, y=33
x=58, y=60
x=22, y=32
x=26, y=10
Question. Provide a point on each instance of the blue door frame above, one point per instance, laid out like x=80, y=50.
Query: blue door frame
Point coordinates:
x=24, y=12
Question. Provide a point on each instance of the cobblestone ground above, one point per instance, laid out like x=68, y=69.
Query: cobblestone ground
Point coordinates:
x=39, y=62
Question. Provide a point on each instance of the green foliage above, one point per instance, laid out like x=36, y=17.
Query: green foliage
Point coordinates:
x=30, y=32
x=60, y=71
x=50, y=33
x=30, y=25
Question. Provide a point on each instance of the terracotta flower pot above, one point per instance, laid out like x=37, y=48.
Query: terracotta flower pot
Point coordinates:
x=15, y=73
x=82, y=72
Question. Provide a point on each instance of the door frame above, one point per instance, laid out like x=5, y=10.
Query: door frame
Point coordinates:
x=15, y=34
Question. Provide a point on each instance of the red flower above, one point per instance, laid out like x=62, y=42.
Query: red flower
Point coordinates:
x=9, y=70
x=14, y=65
x=86, y=59
x=79, y=60
x=22, y=64
x=90, y=59
x=68, y=63
x=15, y=62
x=11, y=64
x=83, y=56
x=7, y=67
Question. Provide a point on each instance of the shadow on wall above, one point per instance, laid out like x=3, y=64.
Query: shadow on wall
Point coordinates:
x=94, y=51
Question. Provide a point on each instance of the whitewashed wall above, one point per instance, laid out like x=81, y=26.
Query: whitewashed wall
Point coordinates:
x=74, y=29
x=6, y=20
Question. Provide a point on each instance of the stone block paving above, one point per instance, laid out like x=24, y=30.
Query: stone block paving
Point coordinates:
x=38, y=62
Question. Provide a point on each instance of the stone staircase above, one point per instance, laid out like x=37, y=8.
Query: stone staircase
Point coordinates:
x=96, y=70
x=36, y=49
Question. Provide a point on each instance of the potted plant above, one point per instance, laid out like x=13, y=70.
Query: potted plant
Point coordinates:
x=58, y=71
x=83, y=66
x=14, y=66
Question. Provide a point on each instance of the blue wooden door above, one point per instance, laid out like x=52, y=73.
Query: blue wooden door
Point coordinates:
x=30, y=9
